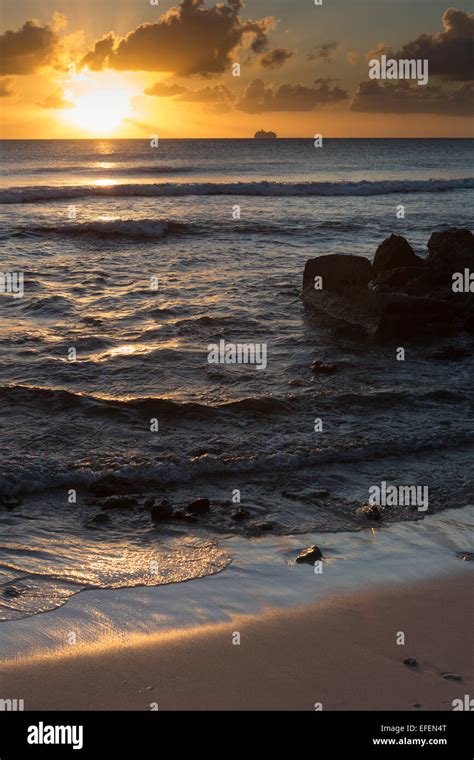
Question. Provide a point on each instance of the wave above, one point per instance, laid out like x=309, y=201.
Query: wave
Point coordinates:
x=57, y=398
x=31, y=477
x=38, y=194
x=148, y=229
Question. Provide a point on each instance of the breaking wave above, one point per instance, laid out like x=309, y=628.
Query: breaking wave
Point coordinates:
x=39, y=194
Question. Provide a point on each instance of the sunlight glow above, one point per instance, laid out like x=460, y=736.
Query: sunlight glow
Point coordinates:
x=100, y=102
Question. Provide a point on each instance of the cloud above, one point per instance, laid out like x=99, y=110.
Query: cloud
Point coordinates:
x=188, y=39
x=276, y=58
x=29, y=49
x=352, y=57
x=288, y=97
x=6, y=87
x=324, y=53
x=218, y=93
x=55, y=100
x=450, y=53
x=218, y=98
x=164, y=90
x=405, y=97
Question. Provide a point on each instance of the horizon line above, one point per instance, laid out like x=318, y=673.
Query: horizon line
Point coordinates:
x=304, y=137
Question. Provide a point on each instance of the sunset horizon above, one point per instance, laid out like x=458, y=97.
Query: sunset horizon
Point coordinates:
x=191, y=70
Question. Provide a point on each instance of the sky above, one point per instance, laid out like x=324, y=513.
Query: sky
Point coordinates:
x=196, y=68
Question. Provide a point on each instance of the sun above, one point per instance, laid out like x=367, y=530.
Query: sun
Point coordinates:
x=100, y=103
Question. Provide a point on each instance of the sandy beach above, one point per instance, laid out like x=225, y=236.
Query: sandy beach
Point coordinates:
x=341, y=653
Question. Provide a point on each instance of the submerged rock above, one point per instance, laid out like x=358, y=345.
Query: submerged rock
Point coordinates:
x=102, y=517
x=372, y=511
x=324, y=368
x=309, y=555
x=240, y=514
x=411, y=662
x=180, y=514
x=161, y=511
x=263, y=527
x=9, y=502
x=199, y=507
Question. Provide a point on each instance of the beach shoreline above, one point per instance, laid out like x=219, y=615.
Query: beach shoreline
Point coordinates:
x=341, y=654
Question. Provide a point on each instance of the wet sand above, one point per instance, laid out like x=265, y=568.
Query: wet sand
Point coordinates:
x=342, y=653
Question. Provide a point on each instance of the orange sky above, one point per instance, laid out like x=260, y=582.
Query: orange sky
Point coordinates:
x=127, y=69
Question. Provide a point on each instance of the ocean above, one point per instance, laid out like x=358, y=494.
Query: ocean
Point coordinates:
x=137, y=259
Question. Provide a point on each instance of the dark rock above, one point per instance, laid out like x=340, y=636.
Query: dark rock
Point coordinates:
x=161, y=511
x=309, y=555
x=102, y=517
x=199, y=507
x=393, y=253
x=466, y=556
x=324, y=369
x=399, y=303
x=400, y=277
x=372, y=511
x=450, y=251
x=9, y=502
x=337, y=272
x=183, y=516
x=240, y=514
x=264, y=527
x=451, y=676
x=148, y=503
x=383, y=314
x=450, y=354
x=411, y=662
x=110, y=485
x=119, y=502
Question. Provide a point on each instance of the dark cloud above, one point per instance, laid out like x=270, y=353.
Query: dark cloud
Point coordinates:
x=324, y=53
x=29, y=49
x=163, y=90
x=288, y=97
x=218, y=98
x=276, y=58
x=449, y=53
x=6, y=87
x=219, y=93
x=55, y=100
x=405, y=97
x=188, y=39
x=96, y=59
